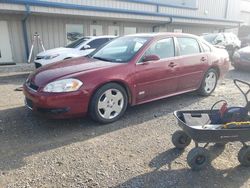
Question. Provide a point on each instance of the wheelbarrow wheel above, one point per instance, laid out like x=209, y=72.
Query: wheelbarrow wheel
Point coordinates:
x=244, y=156
x=180, y=139
x=198, y=158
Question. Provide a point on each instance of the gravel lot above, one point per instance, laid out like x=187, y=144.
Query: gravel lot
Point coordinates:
x=133, y=152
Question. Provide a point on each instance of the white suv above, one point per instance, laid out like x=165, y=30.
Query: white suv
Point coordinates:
x=80, y=47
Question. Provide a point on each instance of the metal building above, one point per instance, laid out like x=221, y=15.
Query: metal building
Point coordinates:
x=245, y=11
x=54, y=19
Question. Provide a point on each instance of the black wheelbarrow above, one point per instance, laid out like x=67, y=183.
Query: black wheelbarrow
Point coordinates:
x=214, y=126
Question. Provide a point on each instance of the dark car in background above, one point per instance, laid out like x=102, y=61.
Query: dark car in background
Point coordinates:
x=241, y=59
x=229, y=40
x=244, y=35
x=129, y=70
x=245, y=41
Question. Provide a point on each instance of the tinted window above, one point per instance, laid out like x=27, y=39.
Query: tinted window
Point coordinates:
x=98, y=42
x=188, y=46
x=77, y=43
x=163, y=48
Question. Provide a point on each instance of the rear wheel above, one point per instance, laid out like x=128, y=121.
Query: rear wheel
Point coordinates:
x=209, y=82
x=180, y=139
x=108, y=103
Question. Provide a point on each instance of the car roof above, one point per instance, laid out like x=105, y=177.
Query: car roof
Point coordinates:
x=162, y=34
x=99, y=37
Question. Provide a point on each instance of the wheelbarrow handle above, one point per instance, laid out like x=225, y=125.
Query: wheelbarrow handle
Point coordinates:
x=241, y=81
x=236, y=82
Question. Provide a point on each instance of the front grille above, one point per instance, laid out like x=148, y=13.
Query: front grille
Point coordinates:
x=52, y=110
x=37, y=65
x=29, y=103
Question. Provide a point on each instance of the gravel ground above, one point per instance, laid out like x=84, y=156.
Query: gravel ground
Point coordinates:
x=135, y=151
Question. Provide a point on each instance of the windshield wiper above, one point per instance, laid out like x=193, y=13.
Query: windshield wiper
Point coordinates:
x=89, y=56
x=103, y=59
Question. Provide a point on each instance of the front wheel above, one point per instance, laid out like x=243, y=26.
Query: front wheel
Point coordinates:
x=198, y=158
x=108, y=103
x=209, y=83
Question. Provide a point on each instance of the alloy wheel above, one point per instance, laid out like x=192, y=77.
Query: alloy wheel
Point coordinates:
x=210, y=82
x=110, y=104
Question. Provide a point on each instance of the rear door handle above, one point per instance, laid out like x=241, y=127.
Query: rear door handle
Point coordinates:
x=172, y=64
x=203, y=59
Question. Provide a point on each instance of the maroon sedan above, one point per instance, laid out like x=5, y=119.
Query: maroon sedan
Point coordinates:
x=129, y=70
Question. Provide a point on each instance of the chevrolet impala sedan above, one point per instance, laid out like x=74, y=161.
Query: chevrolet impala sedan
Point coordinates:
x=129, y=70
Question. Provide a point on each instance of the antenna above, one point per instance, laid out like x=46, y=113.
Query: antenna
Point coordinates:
x=35, y=40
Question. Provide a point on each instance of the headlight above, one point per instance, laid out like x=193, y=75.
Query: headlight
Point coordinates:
x=51, y=56
x=65, y=85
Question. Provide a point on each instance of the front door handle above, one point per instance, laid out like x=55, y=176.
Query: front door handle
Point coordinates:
x=203, y=59
x=172, y=65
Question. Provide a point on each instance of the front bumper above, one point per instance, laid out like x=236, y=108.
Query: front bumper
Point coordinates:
x=48, y=111
x=57, y=105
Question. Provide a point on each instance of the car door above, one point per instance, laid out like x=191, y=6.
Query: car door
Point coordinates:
x=192, y=63
x=155, y=79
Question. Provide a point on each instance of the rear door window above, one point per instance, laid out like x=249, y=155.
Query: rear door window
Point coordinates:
x=205, y=47
x=97, y=43
x=188, y=46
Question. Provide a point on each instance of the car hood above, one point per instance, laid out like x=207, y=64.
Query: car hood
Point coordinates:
x=67, y=68
x=60, y=50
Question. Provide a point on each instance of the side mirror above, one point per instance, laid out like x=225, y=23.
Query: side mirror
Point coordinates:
x=150, y=58
x=85, y=47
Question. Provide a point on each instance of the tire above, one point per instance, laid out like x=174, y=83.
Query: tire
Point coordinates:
x=108, y=103
x=198, y=158
x=180, y=139
x=244, y=156
x=209, y=83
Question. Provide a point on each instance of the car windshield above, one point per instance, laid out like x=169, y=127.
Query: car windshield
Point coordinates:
x=78, y=42
x=210, y=38
x=121, y=49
